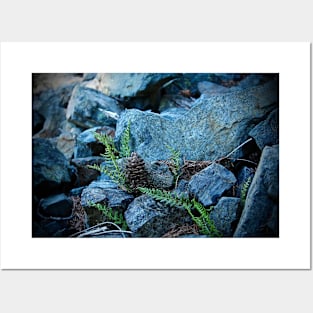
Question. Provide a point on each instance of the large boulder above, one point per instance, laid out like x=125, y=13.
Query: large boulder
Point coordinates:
x=212, y=128
x=260, y=215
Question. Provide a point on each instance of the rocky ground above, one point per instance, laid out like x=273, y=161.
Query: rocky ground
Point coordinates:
x=211, y=139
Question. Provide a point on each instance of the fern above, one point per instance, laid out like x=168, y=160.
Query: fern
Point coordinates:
x=244, y=191
x=112, y=215
x=110, y=156
x=205, y=224
x=175, y=160
x=125, y=142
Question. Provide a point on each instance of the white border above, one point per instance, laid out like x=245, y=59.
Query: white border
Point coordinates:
x=290, y=251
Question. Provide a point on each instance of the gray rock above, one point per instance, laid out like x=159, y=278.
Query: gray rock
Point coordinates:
x=208, y=185
x=56, y=206
x=245, y=174
x=160, y=175
x=99, y=192
x=250, y=81
x=127, y=85
x=89, y=76
x=38, y=122
x=76, y=192
x=211, y=129
x=87, y=145
x=50, y=228
x=210, y=88
x=51, y=103
x=169, y=102
x=260, y=215
x=225, y=215
x=266, y=132
x=51, y=171
x=149, y=218
x=182, y=188
x=173, y=114
x=85, y=175
x=190, y=81
x=90, y=108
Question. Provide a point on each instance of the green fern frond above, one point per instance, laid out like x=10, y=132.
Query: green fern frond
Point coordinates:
x=244, y=191
x=125, y=142
x=111, y=168
x=112, y=215
x=205, y=224
x=175, y=160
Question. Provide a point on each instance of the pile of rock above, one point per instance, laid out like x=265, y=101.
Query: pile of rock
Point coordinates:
x=205, y=117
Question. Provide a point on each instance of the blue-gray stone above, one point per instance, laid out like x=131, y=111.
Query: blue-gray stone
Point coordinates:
x=51, y=170
x=56, y=206
x=126, y=85
x=260, y=214
x=266, y=132
x=211, y=129
x=100, y=192
x=210, y=88
x=208, y=185
x=141, y=211
x=149, y=218
x=225, y=215
x=86, y=143
x=245, y=174
x=90, y=108
x=89, y=76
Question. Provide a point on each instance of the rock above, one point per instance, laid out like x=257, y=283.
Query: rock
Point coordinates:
x=266, y=132
x=84, y=174
x=211, y=129
x=225, y=215
x=76, y=192
x=182, y=188
x=173, y=114
x=54, y=116
x=245, y=174
x=209, y=184
x=38, y=122
x=146, y=217
x=169, y=102
x=252, y=80
x=210, y=88
x=51, y=94
x=86, y=143
x=43, y=82
x=189, y=82
x=130, y=85
x=135, y=90
x=56, y=207
x=260, y=215
x=89, y=76
x=160, y=175
x=90, y=108
x=50, y=228
x=65, y=143
x=51, y=170
x=99, y=192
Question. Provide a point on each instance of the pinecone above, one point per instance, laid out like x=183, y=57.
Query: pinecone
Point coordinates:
x=135, y=172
